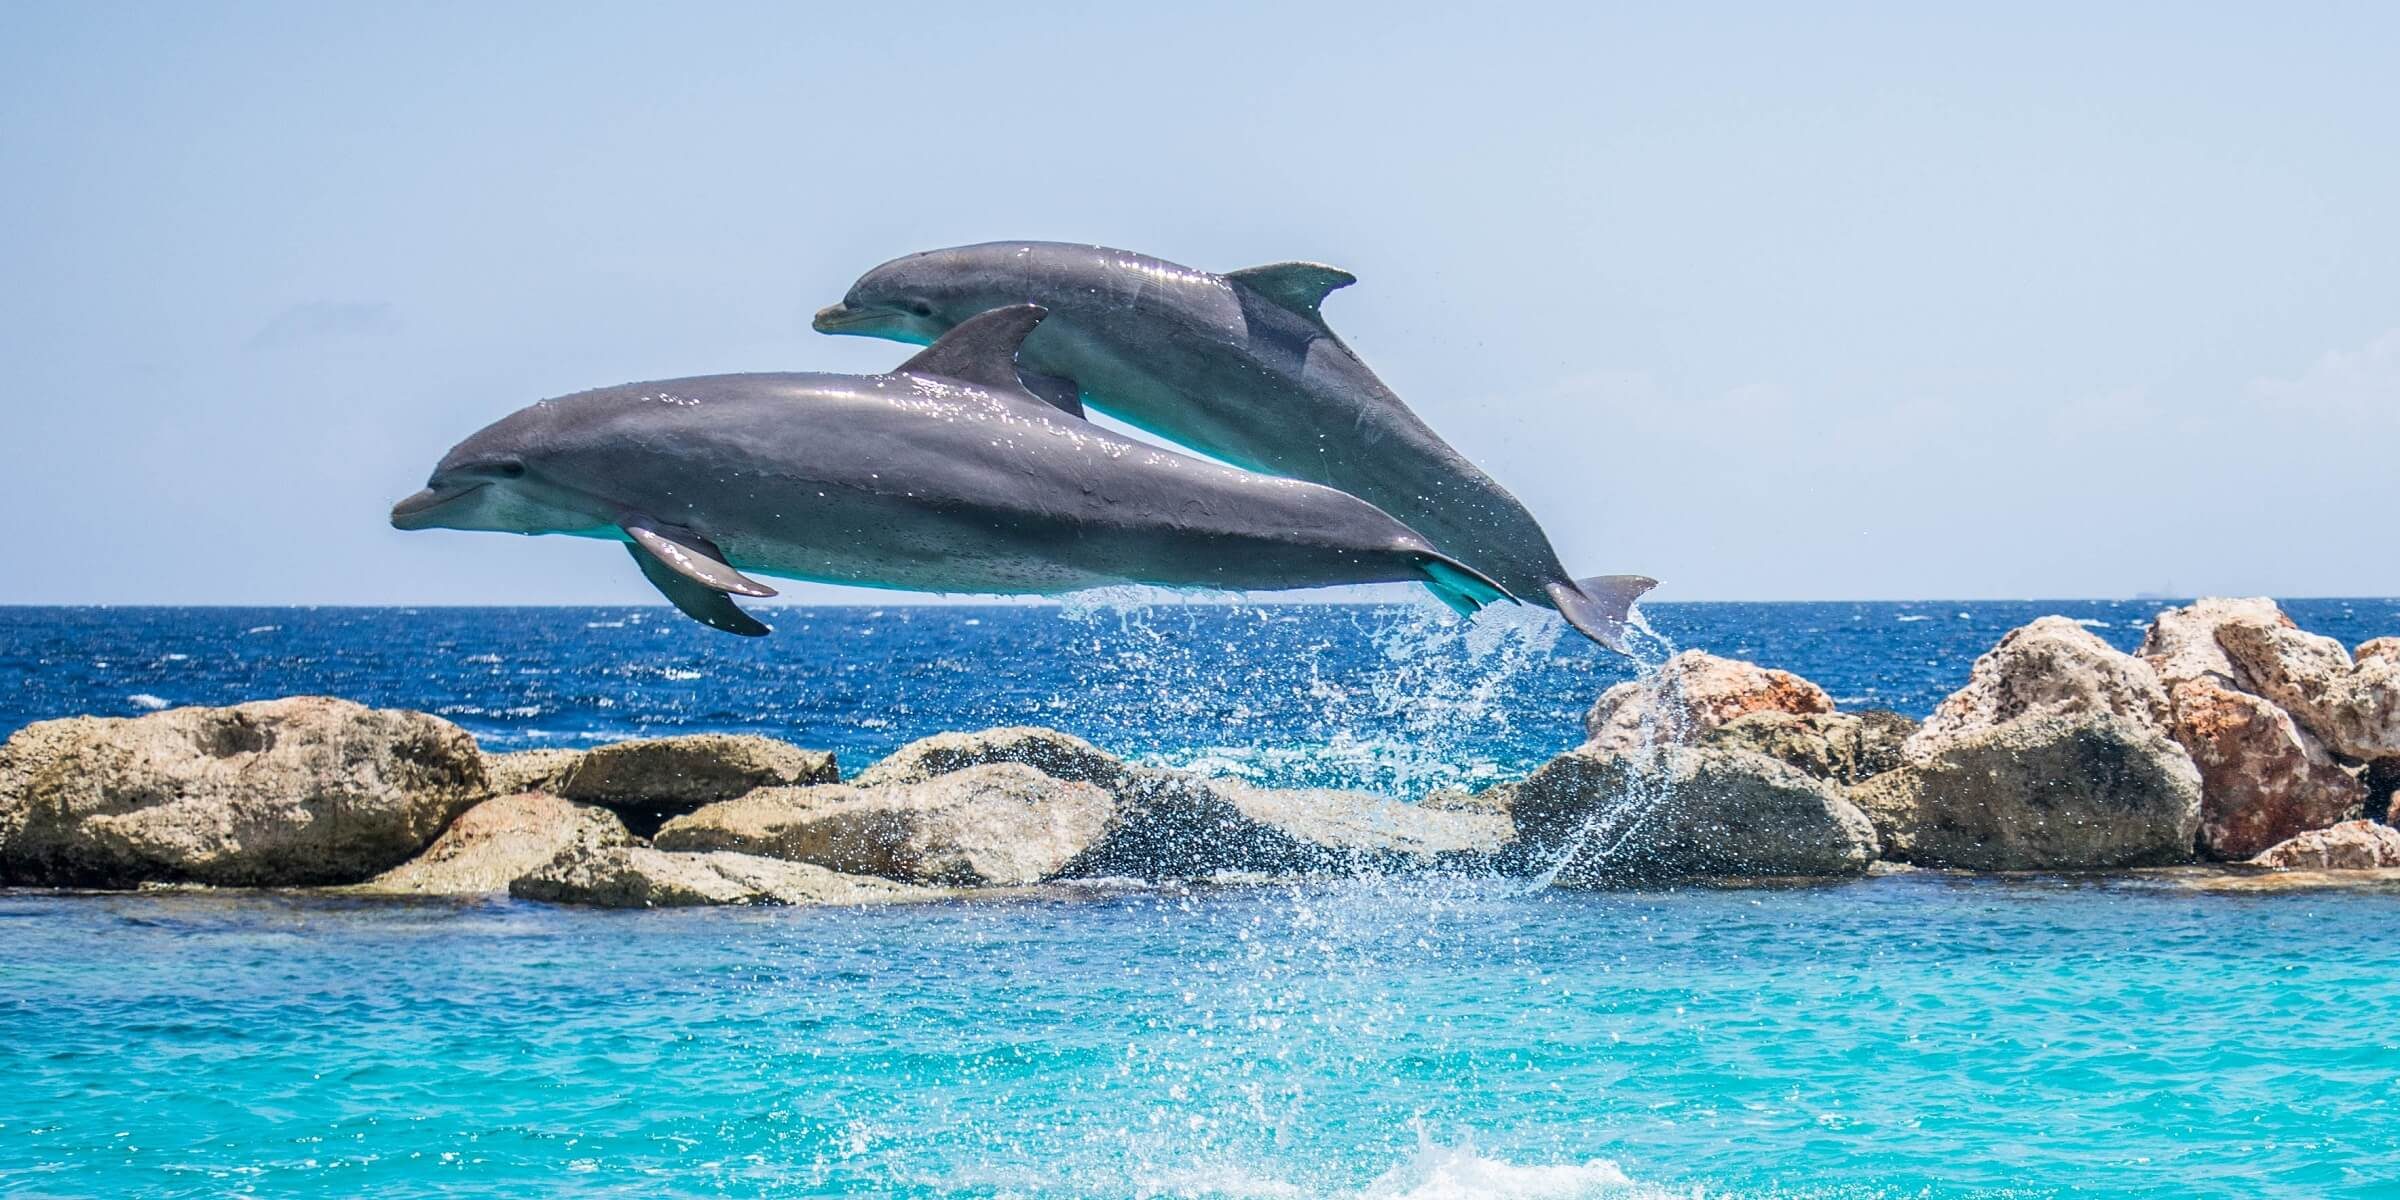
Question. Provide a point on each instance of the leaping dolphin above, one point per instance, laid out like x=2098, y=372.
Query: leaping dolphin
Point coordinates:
x=944, y=475
x=1243, y=367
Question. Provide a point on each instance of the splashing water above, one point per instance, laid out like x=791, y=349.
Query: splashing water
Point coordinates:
x=1447, y=693
x=1613, y=826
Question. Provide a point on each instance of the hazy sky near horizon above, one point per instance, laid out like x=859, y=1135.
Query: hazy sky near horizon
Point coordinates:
x=1866, y=301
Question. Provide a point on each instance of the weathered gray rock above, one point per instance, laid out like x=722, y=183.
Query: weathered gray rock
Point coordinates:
x=641, y=877
x=2349, y=846
x=2353, y=706
x=2044, y=792
x=1172, y=825
x=655, y=778
x=1841, y=747
x=1683, y=812
x=1693, y=693
x=1058, y=755
x=530, y=770
x=998, y=823
x=495, y=842
x=2263, y=779
x=305, y=790
x=2052, y=667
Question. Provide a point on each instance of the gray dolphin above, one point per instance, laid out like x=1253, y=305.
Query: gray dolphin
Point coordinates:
x=945, y=475
x=1243, y=367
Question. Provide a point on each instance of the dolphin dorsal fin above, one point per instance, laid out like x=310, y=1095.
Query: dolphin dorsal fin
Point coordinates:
x=982, y=350
x=1298, y=286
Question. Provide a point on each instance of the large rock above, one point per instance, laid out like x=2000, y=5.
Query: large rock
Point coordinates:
x=993, y=823
x=493, y=843
x=2349, y=846
x=2354, y=706
x=2181, y=643
x=306, y=790
x=2263, y=779
x=2052, y=667
x=656, y=778
x=1173, y=825
x=1682, y=812
x=1693, y=693
x=530, y=770
x=1841, y=747
x=641, y=877
x=2044, y=792
x=2382, y=649
x=1058, y=755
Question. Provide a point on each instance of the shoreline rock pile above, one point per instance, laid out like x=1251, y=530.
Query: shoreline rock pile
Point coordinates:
x=2229, y=736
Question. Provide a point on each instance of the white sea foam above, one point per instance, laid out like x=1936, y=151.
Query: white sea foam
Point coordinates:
x=146, y=702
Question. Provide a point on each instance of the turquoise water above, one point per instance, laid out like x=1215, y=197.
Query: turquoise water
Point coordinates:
x=1908, y=1036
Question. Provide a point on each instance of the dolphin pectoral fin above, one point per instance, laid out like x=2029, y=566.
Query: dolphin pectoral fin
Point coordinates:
x=1057, y=391
x=1298, y=286
x=982, y=350
x=1602, y=606
x=1458, y=585
x=708, y=606
x=693, y=557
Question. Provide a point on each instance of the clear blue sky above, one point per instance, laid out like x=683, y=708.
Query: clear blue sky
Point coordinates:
x=1869, y=302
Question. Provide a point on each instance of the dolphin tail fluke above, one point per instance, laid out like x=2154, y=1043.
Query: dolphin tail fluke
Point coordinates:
x=1458, y=585
x=1602, y=606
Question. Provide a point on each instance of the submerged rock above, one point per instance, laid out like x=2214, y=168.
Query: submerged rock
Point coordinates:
x=2051, y=667
x=998, y=823
x=2263, y=779
x=1172, y=825
x=1840, y=747
x=1683, y=812
x=2349, y=846
x=655, y=778
x=1057, y=755
x=2049, y=792
x=1692, y=694
x=495, y=842
x=641, y=877
x=305, y=790
x=530, y=770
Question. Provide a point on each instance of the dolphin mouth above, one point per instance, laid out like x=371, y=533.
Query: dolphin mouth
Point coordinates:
x=416, y=512
x=841, y=318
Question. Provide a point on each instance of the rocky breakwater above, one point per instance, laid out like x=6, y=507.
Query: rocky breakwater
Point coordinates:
x=2230, y=735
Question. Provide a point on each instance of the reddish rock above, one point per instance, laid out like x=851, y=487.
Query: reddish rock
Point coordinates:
x=2263, y=778
x=2349, y=846
x=2353, y=706
x=2182, y=642
x=1693, y=694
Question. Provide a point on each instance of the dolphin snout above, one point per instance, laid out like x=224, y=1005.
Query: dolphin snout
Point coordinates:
x=417, y=511
x=833, y=318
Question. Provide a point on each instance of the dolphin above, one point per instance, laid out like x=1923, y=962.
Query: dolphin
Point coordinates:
x=944, y=475
x=1242, y=367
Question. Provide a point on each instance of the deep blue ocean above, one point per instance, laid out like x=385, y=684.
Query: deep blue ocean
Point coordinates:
x=1919, y=1035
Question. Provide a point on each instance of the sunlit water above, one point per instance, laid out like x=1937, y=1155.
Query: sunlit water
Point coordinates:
x=1395, y=697
x=1892, y=1037
x=1911, y=1036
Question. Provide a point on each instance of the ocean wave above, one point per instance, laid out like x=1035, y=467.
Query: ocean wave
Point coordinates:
x=146, y=702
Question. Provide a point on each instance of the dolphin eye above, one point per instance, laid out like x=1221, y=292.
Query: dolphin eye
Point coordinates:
x=920, y=308
x=508, y=469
